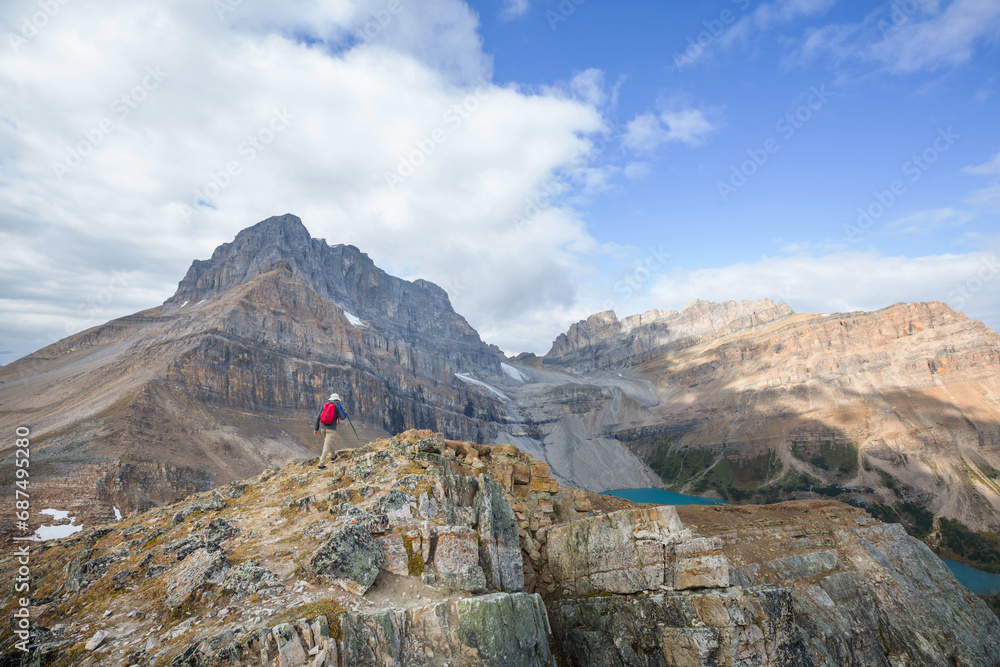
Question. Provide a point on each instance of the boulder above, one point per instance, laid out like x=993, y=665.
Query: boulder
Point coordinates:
x=455, y=559
x=199, y=568
x=351, y=557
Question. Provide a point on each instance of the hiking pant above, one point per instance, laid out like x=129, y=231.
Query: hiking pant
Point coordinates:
x=329, y=444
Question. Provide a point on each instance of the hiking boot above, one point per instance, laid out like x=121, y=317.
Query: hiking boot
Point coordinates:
x=321, y=468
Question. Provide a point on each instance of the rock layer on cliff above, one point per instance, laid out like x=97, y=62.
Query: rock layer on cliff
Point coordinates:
x=225, y=378
x=256, y=573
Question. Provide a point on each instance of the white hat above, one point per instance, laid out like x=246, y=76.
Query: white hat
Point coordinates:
x=334, y=397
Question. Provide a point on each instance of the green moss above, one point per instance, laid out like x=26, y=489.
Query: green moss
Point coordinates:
x=993, y=602
x=414, y=561
x=595, y=594
x=739, y=478
x=840, y=458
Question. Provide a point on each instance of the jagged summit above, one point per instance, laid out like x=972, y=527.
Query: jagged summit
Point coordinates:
x=602, y=341
x=418, y=312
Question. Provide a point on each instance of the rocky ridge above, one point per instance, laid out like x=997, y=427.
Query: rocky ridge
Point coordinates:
x=602, y=342
x=418, y=550
x=223, y=380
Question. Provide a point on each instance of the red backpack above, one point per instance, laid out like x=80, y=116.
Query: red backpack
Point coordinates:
x=329, y=414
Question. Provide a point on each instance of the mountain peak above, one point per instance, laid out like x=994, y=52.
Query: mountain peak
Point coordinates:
x=286, y=227
x=341, y=274
x=602, y=341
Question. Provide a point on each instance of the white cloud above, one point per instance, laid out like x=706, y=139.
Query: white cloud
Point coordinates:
x=844, y=282
x=991, y=168
x=902, y=38
x=944, y=38
x=588, y=85
x=726, y=31
x=647, y=131
x=411, y=90
x=512, y=9
x=923, y=222
x=689, y=126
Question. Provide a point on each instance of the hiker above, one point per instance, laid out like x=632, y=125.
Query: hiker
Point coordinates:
x=329, y=416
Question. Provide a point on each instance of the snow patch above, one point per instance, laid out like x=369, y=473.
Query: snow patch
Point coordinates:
x=353, y=319
x=58, y=531
x=118, y=514
x=471, y=380
x=516, y=374
x=201, y=302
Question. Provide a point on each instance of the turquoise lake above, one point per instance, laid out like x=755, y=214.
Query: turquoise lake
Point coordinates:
x=977, y=581
x=661, y=497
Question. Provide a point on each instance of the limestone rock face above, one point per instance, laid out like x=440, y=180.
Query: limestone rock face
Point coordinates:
x=606, y=582
x=497, y=630
x=863, y=592
x=225, y=378
x=752, y=626
x=880, y=408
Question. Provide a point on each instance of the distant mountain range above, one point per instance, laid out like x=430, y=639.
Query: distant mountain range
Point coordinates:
x=896, y=410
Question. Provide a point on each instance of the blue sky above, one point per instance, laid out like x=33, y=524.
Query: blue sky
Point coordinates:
x=540, y=160
x=878, y=114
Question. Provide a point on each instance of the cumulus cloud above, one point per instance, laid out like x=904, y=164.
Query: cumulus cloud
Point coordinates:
x=137, y=139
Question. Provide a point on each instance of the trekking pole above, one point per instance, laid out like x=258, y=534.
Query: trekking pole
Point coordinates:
x=352, y=425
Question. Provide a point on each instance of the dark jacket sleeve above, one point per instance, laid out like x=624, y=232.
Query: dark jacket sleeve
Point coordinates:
x=318, y=415
x=341, y=413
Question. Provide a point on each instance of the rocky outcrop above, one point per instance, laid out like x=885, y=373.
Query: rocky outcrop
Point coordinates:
x=864, y=592
x=480, y=558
